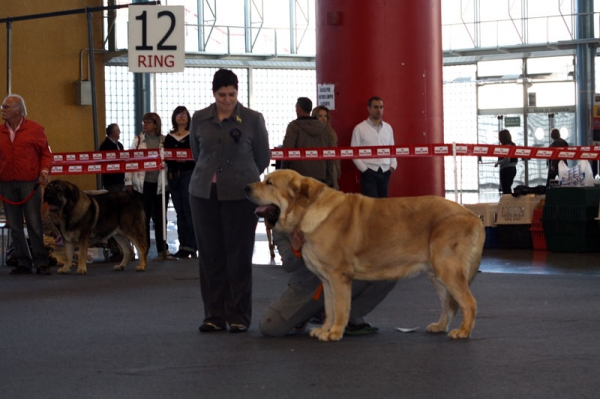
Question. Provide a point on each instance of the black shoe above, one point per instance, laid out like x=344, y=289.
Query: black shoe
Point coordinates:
x=20, y=270
x=360, y=329
x=182, y=253
x=237, y=328
x=209, y=327
x=44, y=271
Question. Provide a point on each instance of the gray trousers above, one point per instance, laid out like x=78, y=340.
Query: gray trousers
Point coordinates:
x=278, y=321
x=32, y=211
x=225, y=233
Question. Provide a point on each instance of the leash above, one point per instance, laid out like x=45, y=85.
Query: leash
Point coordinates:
x=37, y=184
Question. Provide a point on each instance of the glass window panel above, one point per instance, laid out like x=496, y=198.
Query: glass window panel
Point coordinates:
x=551, y=65
x=498, y=96
x=500, y=68
x=553, y=94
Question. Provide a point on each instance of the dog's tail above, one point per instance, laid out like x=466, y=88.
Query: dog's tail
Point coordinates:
x=479, y=242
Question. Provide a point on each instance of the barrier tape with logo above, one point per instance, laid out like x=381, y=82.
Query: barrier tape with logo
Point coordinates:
x=144, y=160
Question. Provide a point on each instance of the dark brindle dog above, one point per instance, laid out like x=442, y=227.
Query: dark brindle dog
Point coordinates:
x=86, y=219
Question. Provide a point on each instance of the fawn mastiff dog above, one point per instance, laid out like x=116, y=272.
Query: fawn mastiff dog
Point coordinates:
x=85, y=219
x=350, y=236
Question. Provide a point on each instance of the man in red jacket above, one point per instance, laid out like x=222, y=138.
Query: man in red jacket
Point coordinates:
x=25, y=161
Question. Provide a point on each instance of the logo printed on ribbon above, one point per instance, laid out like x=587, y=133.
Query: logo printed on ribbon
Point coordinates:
x=365, y=152
x=312, y=153
x=480, y=150
x=294, y=154
x=402, y=151
x=440, y=150
x=383, y=151
x=111, y=155
x=113, y=166
x=422, y=150
x=71, y=157
x=521, y=152
x=566, y=154
x=97, y=156
x=75, y=168
x=329, y=153
x=544, y=153
x=501, y=151
x=132, y=166
x=277, y=154
x=84, y=157
x=94, y=168
x=347, y=153
x=58, y=158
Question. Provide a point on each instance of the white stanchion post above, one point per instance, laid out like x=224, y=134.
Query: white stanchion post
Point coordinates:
x=455, y=172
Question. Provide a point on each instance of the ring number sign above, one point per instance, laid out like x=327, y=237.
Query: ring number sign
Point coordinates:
x=156, y=38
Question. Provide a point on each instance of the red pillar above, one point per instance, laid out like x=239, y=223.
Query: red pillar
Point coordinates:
x=393, y=50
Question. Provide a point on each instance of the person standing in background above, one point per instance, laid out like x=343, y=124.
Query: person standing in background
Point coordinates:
x=25, y=162
x=508, y=166
x=179, y=174
x=149, y=183
x=557, y=141
x=374, y=173
x=113, y=182
x=307, y=132
x=321, y=112
x=230, y=145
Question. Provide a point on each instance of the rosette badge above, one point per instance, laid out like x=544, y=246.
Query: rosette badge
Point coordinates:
x=236, y=134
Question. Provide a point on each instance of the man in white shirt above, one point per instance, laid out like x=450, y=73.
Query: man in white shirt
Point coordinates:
x=374, y=173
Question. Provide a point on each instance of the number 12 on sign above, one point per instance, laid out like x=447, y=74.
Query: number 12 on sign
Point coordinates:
x=156, y=39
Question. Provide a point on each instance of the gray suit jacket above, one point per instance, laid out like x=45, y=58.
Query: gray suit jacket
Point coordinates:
x=236, y=150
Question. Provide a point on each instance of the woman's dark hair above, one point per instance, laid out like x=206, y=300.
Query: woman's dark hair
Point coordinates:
x=224, y=78
x=504, y=137
x=177, y=111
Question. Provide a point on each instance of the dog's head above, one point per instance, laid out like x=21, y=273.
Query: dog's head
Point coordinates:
x=58, y=193
x=283, y=197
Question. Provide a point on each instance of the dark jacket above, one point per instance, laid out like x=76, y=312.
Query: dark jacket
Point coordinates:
x=309, y=132
x=112, y=179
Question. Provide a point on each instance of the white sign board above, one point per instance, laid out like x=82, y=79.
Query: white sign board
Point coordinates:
x=326, y=95
x=156, y=38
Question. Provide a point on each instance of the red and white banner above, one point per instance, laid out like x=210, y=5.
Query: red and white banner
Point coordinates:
x=138, y=160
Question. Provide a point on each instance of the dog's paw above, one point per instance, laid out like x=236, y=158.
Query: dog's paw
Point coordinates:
x=333, y=335
x=119, y=268
x=436, y=328
x=64, y=270
x=459, y=334
x=82, y=271
x=140, y=268
x=316, y=332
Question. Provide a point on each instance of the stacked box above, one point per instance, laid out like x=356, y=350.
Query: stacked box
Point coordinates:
x=569, y=219
x=514, y=220
x=487, y=213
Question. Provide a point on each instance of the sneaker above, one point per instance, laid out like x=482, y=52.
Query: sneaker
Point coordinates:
x=360, y=329
x=20, y=270
x=209, y=327
x=237, y=328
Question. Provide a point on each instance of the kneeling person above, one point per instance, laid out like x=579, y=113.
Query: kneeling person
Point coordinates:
x=303, y=298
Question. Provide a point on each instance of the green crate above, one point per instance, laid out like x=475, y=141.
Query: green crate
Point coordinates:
x=572, y=236
x=570, y=212
x=584, y=196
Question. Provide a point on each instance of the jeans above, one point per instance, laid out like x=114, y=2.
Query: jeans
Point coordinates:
x=375, y=183
x=32, y=211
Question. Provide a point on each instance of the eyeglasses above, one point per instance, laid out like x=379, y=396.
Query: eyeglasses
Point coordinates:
x=181, y=114
x=148, y=121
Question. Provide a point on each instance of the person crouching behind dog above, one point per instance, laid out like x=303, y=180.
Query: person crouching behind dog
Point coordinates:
x=303, y=299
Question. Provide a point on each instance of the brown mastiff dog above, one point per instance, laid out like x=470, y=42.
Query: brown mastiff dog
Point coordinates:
x=350, y=236
x=86, y=219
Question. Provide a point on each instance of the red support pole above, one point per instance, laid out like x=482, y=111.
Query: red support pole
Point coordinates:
x=393, y=50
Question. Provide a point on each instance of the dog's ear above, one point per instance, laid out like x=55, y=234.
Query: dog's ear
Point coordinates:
x=71, y=193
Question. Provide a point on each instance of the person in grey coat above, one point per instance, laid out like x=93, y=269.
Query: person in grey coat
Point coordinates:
x=303, y=298
x=308, y=132
x=230, y=146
